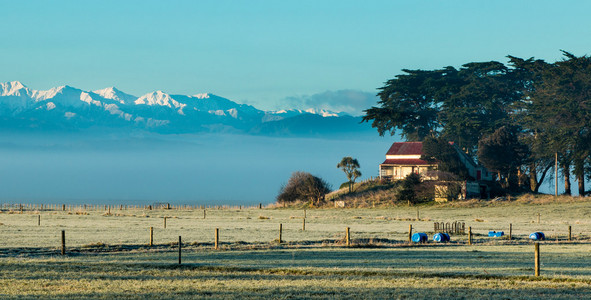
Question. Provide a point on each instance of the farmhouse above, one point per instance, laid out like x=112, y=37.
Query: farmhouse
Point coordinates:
x=404, y=158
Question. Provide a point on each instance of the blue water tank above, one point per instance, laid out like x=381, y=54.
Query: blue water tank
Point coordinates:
x=419, y=237
x=441, y=237
x=537, y=236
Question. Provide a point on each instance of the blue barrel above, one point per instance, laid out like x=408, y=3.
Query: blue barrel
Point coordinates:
x=447, y=238
x=496, y=233
x=419, y=237
x=441, y=237
x=537, y=236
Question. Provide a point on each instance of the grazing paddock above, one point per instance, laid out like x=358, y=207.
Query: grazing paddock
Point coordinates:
x=424, y=272
x=107, y=255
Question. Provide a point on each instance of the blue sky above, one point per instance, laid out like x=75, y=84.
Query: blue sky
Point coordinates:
x=273, y=53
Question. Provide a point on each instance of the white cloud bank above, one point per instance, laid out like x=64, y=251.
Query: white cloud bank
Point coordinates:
x=352, y=102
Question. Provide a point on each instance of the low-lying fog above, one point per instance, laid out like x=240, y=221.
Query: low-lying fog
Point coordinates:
x=144, y=168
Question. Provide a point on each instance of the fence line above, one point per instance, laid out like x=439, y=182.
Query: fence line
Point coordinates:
x=28, y=207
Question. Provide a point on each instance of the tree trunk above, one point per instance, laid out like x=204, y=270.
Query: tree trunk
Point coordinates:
x=507, y=184
x=566, y=173
x=533, y=178
x=580, y=174
x=539, y=183
x=581, y=179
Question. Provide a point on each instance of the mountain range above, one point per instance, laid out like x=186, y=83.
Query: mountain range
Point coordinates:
x=68, y=108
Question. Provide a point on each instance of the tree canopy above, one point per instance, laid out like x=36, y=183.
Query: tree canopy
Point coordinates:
x=350, y=166
x=456, y=104
x=303, y=186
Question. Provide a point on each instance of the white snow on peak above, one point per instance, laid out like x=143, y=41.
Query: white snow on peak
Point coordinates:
x=155, y=98
x=230, y=112
x=114, y=110
x=44, y=95
x=50, y=105
x=115, y=94
x=314, y=111
x=13, y=88
x=201, y=96
x=218, y=112
x=322, y=112
x=85, y=97
x=162, y=99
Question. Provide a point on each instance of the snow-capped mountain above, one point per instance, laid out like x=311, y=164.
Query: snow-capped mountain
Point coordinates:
x=117, y=95
x=66, y=107
x=276, y=115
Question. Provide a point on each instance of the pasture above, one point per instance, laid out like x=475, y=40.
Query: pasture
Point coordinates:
x=107, y=255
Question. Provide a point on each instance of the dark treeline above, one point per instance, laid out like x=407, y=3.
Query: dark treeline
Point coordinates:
x=514, y=117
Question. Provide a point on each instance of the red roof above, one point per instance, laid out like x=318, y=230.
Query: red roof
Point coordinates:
x=407, y=162
x=406, y=148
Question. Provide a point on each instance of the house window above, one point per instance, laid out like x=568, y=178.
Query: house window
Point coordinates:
x=387, y=171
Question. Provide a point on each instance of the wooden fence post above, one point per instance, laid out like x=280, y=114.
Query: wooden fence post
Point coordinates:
x=280, y=232
x=217, y=238
x=151, y=236
x=63, y=242
x=164, y=222
x=39, y=220
x=260, y=206
x=348, y=237
x=204, y=213
x=537, y=259
x=305, y=213
x=304, y=224
x=569, y=233
x=510, y=231
x=469, y=235
x=180, y=246
x=409, y=233
x=418, y=218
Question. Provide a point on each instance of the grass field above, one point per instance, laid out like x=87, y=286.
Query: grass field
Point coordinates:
x=108, y=256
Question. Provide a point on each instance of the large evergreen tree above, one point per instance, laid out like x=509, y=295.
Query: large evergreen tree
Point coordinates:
x=504, y=153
